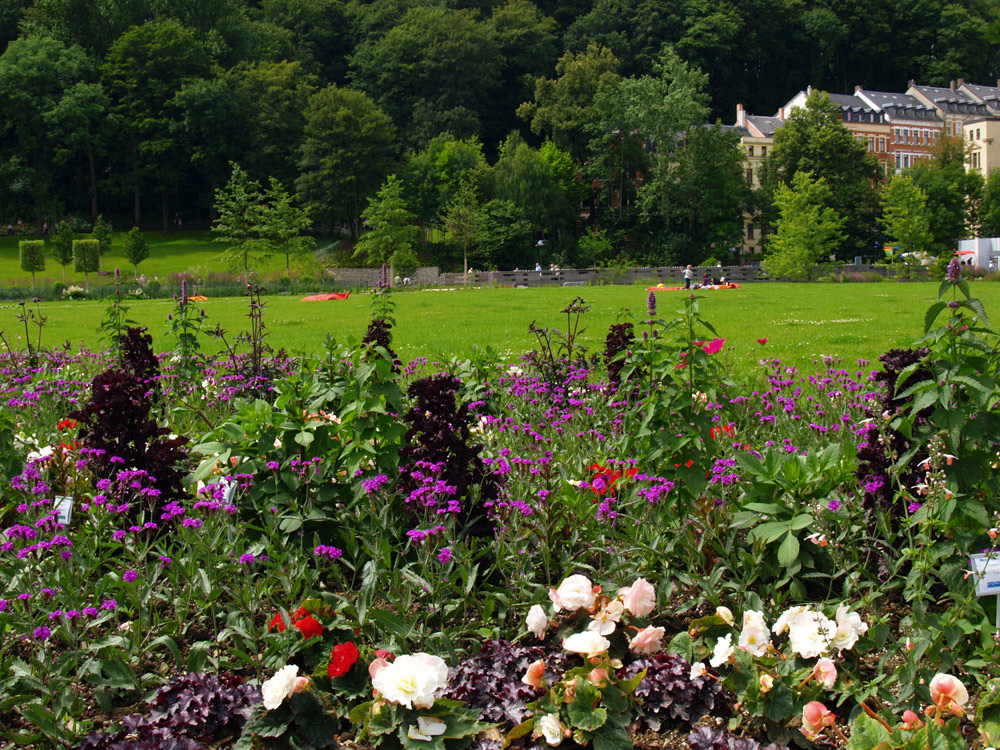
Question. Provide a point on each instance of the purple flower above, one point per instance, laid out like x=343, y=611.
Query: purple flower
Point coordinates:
x=42, y=633
x=444, y=556
x=90, y=611
x=833, y=505
x=109, y=604
x=651, y=304
x=331, y=553
x=954, y=271
x=3, y=605
x=913, y=507
x=273, y=465
x=72, y=614
x=129, y=575
x=247, y=558
x=164, y=561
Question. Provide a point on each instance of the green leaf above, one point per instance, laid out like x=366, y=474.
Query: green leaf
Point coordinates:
x=932, y=312
x=867, y=733
x=582, y=711
x=788, y=552
x=768, y=532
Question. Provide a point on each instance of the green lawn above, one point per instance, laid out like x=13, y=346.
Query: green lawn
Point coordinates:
x=801, y=322
x=169, y=253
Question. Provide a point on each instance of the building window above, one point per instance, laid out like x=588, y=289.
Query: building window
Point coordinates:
x=871, y=143
x=763, y=150
x=749, y=231
x=977, y=134
x=881, y=145
x=750, y=175
x=749, y=150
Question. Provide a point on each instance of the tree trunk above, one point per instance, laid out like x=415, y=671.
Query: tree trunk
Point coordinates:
x=166, y=220
x=93, y=186
x=136, y=212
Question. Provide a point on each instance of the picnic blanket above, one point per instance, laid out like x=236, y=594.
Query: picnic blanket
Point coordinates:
x=661, y=288
x=326, y=297
x=197, y=298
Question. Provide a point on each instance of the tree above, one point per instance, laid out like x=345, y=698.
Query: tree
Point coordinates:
x=32, y=258
x=989, y=210
x=465, y=221
x=102, y=233
x=43, y=86
x=813, y=139
x=86, y=257
x=431, y=177
x=952, y=196
x=506, y=239
x=904, y=212
x=808, y=229
x=146, y=67
x=270, y=97
x=435, y=71
x=347, y=152
x=239, y=208
x=283, y=225
x=392, y=233
x=135, y=249
x=563, y=108
x=62, y=245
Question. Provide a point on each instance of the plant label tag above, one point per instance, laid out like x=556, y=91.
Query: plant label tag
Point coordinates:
x=986, y=568
x=63, y=508
x=230, y=493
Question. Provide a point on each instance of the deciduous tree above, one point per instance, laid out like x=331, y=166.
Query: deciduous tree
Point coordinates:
x=392, y=234
x=808, y=228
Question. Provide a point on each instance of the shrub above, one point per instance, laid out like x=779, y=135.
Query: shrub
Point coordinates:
x=86, y=257
x=32, y=258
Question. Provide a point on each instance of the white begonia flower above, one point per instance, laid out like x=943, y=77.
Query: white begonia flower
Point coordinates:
x=537, y=621
x=726, y=614
x=850, y=627
x=607, y=617
x=426, y=729
x=411, y=681
x=279, y=687
x=575, y=592
x=723, y=650
x=810, y=634
x=790, y=614
x=551, y=729
x=755, y=636
x=698, y=670
x=587, y=643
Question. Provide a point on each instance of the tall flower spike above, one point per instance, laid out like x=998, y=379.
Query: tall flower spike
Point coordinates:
x=954, y=271
x=651, y=304
x=383, y=279
x=184, y=292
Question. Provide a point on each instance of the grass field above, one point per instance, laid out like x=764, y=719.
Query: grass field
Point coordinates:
x=169, y=253
x=801, y=322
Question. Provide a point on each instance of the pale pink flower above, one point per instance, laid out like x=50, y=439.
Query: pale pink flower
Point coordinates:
x=948, y=693
x=598, y=676
x=301, y=684
x=587, y=643
x=640, y=597
x=766, y=682
x=647, y=641
x=911, y=720
x=535, y=674
x=815, y=718
x=825, y=673
x=698, y=670
x=574, y=593
x=376, y=665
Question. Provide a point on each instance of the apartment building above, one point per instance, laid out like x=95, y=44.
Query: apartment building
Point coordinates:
x=916, y=128
x=757, y=138
x=865, y=123
x=955, y=105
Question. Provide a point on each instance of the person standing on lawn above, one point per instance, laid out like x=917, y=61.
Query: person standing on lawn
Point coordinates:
x=688, y=275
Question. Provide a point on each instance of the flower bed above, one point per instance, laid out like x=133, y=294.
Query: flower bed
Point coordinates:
x=282, y=552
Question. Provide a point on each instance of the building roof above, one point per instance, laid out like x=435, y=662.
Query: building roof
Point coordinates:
x=953, y=101
x=900, y=106
x=982, y=93
x=766, y=125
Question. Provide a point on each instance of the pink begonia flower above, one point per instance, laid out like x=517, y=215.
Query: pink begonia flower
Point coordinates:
x=948, y=693
x=815, y=718
x=301, y=684
x=698, y=670
x=587, y=643
x=911, y=720
x=825, y=673
x=536, y=671
x=598, y=677
x=766, y=682
x=640, y=597
x=714, y=346
x=647, y=641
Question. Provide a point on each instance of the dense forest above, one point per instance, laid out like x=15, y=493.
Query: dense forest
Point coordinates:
x=515, y=114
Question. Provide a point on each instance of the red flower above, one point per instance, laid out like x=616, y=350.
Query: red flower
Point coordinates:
x=762, y=341
x=301, y=619
x=717, y=432
x=342, y=658
x=714, y=346
x=66, y=424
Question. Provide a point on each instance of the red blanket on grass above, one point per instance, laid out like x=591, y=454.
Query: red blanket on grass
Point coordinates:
x=326, y=297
